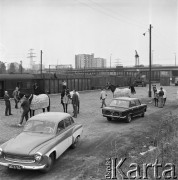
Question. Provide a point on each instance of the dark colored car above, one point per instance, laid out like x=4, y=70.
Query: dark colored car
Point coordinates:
x=124, y=108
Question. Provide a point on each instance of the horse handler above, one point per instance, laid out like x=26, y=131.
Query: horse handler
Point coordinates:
x=25, y=105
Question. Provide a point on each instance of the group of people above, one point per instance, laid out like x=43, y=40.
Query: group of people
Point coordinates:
x=160, y=96
x=25, y=105
x=72, y=97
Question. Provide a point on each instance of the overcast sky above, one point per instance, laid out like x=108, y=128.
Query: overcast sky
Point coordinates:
x=107, y=28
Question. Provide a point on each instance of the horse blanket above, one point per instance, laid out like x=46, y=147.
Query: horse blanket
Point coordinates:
x=122, y=92
x=39, y=102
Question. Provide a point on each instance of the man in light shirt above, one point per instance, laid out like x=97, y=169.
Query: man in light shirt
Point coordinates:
x=164, y=96
x=103, y=96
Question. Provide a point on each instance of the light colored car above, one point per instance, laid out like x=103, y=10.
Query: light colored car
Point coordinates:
x=44, y=138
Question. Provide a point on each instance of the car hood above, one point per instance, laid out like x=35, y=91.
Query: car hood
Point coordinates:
x=25, y=142
x=115, y=108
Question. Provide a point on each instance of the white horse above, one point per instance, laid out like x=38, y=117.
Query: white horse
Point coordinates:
x=117, y=92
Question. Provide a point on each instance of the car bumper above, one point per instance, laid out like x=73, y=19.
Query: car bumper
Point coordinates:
x=18, y=165
x=111, y=116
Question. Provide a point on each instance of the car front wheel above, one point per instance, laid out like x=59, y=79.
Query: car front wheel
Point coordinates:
x=50, y=163
x=143, y=114
x=108, y=118
x=129, y=118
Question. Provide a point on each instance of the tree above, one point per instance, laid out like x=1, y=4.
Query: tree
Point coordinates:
x=2, y=68
x=12, y=68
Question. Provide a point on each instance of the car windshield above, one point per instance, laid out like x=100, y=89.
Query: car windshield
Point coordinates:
x=38, y=126
x=119, y=103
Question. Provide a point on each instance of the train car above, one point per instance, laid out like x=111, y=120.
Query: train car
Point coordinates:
x=8, y=82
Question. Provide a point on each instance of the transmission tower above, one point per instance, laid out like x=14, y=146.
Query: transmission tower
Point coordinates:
x=118, y=62
x=31, y=56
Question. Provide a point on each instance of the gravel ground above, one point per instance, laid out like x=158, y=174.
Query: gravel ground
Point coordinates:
x=100, y=140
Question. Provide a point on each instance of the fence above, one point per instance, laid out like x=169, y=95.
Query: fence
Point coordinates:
x=53, y=85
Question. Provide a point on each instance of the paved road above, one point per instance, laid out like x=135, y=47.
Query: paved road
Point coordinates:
x=101, y=139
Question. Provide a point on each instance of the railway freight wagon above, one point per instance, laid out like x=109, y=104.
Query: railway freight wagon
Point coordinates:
x=53, y=85
x=8, y=82
x=99, y=82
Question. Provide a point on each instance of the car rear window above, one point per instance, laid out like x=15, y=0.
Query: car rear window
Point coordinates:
x=119, y=103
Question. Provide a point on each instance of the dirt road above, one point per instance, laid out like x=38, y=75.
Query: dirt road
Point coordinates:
x=100, y=140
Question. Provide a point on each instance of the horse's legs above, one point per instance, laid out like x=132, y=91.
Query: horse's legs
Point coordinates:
x=78, y=106
x=30, y=113
x=33, y=112
x=48, y=108
x=43, y=109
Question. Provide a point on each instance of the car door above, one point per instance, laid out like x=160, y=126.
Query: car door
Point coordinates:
x=133, y=108
x=139, y=107
x=61, y=138
x=69, y=130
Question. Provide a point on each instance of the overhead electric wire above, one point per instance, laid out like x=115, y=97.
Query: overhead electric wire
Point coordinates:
x=130, y=21
x=101, y=10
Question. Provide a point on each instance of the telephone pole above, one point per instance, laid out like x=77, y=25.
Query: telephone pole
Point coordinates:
x=149, y=93
x=41, y=61
x=150, y=54
x=21, y=67
x=31, y=56
x=175, y=59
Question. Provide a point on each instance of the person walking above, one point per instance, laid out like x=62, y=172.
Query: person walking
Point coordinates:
x=160, y=100
x=75, y=102
x=16, y=96
x=7, y=103
x=132, y=88
x=25, y=105
x=103, y=96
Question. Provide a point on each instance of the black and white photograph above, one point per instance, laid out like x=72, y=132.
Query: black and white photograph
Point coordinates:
x=88, y=89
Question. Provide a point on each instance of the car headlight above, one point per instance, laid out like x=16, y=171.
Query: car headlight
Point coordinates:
x=38, y=156
x=1, y=152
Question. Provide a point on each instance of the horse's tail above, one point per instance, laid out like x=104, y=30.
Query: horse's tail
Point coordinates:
x=48, y=108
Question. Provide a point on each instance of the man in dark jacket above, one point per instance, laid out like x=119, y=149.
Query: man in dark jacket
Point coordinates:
x=36, y=89
x=15, y=95
x=75, y=102
x=25, y=105
x=7, y=103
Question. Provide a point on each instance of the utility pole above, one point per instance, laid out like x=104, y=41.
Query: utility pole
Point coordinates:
x=110, y=60
x=21, y=67
x=31, y=56
x=175, y=59
x=149, y=93
x=41, y=62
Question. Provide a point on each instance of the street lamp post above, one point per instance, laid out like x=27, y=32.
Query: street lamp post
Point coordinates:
x=149, y=93
x=150, y=54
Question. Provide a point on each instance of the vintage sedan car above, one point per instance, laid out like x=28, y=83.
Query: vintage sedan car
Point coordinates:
x=44, y=138
x=124, y=108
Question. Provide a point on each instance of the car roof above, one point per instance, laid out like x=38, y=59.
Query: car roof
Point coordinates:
x=52, y=116
x=126, y=98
